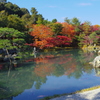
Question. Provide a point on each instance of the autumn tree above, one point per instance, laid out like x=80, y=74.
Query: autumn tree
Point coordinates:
x=88, y=39
x=86, y=28
x=68, y=30
x=40, y=34
x=58, y=41
x=95, y=28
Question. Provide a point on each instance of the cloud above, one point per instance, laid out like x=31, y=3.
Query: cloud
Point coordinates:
x=85, y=4
x=63, y=18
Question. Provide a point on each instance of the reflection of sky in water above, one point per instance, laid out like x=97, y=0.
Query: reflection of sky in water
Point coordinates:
x=59, y=85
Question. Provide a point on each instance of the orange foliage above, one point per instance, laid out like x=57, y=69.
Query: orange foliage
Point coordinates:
x=95, y=27
x=44, y=70
x=41, y=32
x=46, y=64
x=72, y=68
x=68, y=30
x=41, y=44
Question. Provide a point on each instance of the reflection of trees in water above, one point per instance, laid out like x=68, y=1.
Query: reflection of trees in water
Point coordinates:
x=18, y=80
x=50, y=64
x=86, y=57
x=83, y=59
x=63, y=64
x=34, y=71
x=97, y=71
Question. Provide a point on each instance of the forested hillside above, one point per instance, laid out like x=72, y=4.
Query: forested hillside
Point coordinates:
x=20, y=27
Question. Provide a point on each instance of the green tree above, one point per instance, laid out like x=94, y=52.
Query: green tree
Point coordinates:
x=67, y=20
x=24, y=11
x=40, y=19
x=26, y=19
x=46, y=22
x=34, y=16
x=15, y=22
x=86, y=27
x=56, y=28
x=33, y=11
x=80, y=38
x=75, y=21
x=14, y=9
x=2, y=6
x=5, y=43
x=54, y=20
x=11, y=8
x=3, y=19
x=9, y=37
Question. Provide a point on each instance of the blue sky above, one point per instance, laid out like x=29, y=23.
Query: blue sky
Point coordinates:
x=84, y=10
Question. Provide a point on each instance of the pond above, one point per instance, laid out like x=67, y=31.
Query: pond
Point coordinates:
x=47, y=74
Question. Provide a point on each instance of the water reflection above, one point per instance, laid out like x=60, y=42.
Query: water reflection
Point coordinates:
x=97, y=71
x=31, y=72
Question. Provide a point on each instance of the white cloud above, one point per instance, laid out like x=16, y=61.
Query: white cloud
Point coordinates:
x=63, y=18
x=85, y=4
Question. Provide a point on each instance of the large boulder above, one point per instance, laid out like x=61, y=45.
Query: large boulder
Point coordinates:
x=96, y=61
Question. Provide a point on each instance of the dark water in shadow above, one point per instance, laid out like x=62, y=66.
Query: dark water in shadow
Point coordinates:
x=50, y=73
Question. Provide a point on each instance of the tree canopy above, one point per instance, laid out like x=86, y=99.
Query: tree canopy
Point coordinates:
x=31, y=27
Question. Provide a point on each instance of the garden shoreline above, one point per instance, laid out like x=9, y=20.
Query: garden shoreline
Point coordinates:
x=92, y=93
x=88, y=95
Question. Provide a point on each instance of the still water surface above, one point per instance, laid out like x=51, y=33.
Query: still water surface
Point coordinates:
x=55, y=72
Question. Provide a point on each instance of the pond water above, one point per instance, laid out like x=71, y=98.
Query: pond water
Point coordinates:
x=47, y=74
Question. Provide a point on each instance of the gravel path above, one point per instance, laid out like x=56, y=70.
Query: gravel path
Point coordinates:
x=89, y=95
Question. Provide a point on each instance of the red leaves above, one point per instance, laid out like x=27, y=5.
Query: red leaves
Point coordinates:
x=43, y=38
x=58, y=41
x=40, y=33
x=95, y=28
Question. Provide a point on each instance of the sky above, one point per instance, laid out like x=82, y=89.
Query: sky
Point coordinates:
x=84, y=10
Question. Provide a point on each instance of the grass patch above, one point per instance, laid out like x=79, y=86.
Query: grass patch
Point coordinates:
x=80, y=91
x=88, y=89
